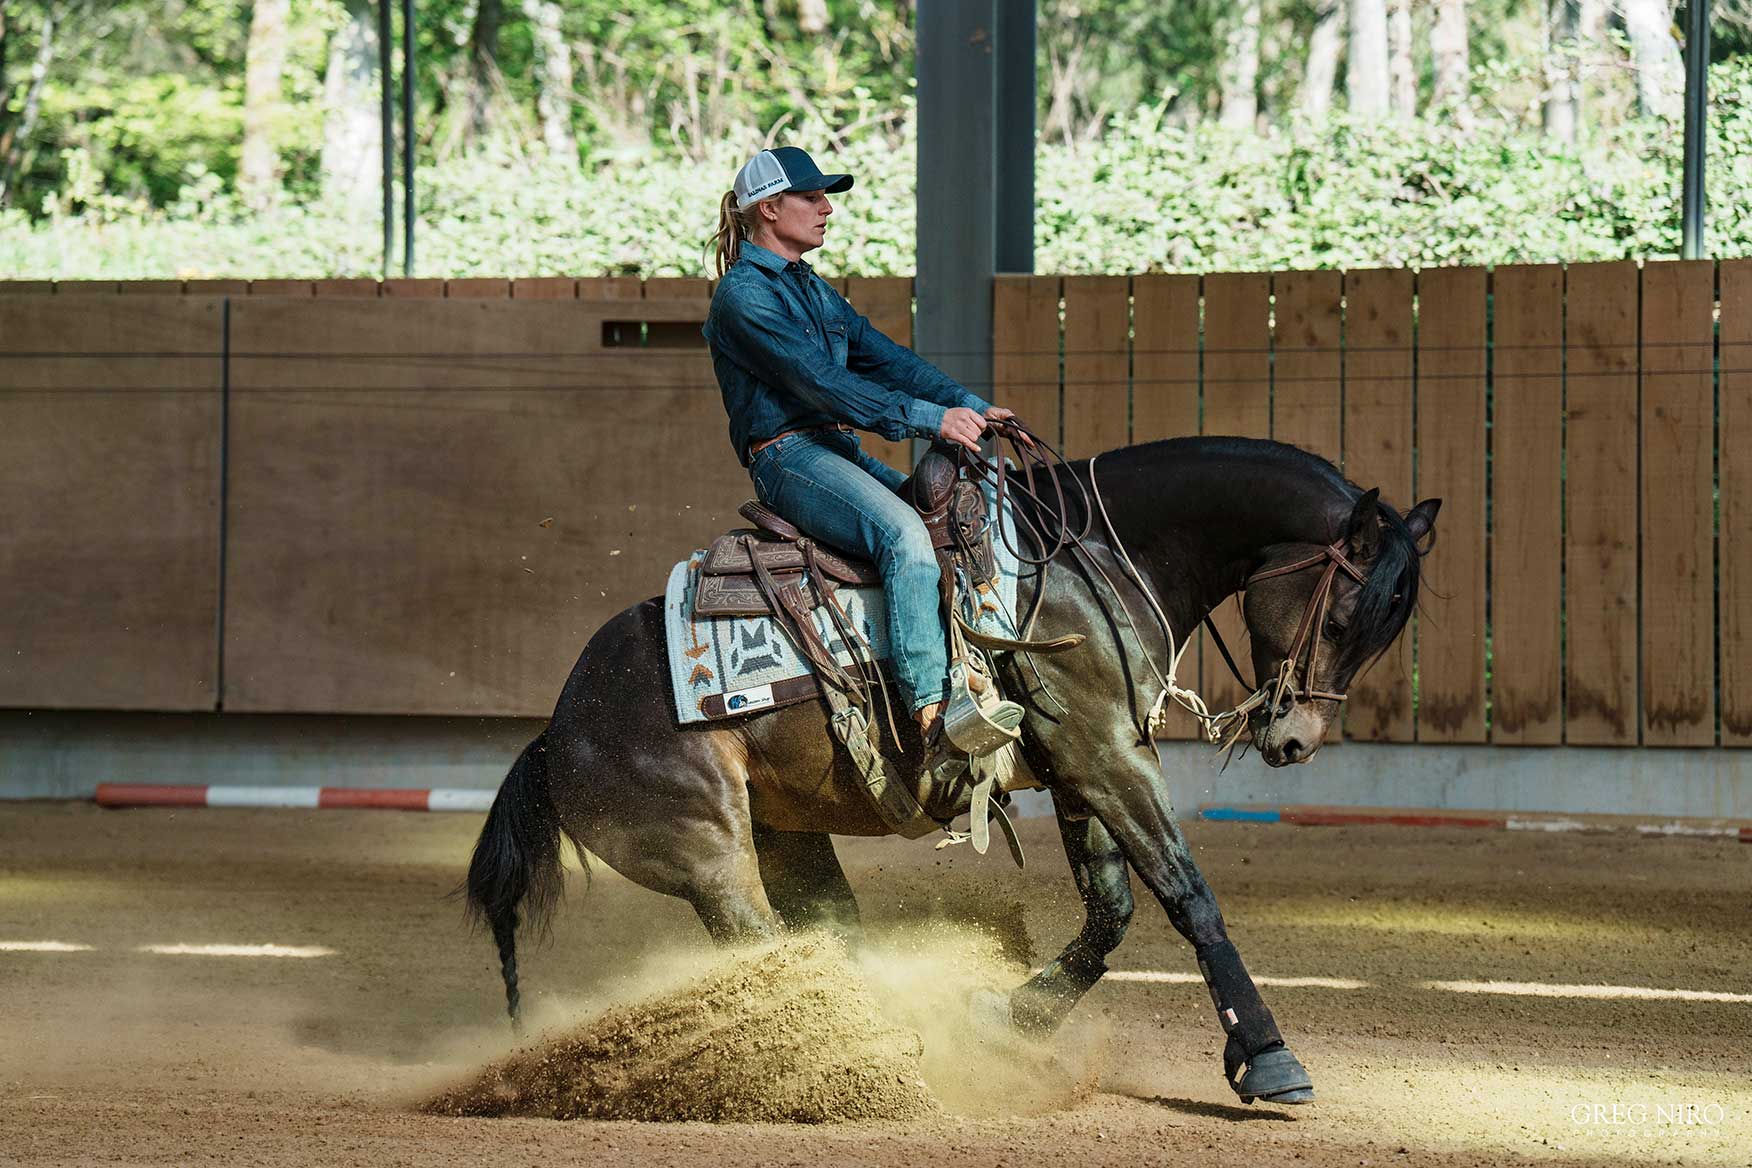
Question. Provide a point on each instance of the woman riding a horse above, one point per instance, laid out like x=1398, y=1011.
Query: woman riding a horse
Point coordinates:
x=800, y=371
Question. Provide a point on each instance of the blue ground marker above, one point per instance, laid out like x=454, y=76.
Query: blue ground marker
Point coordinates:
x=1239, y=815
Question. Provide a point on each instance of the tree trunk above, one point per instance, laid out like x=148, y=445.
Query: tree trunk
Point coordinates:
x=1561, y=70
x=352, y=135
x=1366, y=76
x=1240, y=69
x=1402, y=76
x=1448, y=45
x=18, y=132
x=1660, y=69
x=258, y=168
x=812, y=18
x=483, y=64
x=553, y=78
x=1324, y=49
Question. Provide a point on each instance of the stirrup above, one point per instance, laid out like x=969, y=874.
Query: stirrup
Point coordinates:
x=975, y=718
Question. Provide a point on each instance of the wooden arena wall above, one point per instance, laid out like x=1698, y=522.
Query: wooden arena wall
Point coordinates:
x=423, y=496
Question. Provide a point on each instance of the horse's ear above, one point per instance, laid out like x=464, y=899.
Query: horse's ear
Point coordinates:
x=1363, y=531
x=1421, y=519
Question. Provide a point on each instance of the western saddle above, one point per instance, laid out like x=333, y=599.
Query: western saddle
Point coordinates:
x=773, y=568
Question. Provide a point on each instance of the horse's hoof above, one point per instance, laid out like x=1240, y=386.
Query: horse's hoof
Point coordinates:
x=1275, y=1076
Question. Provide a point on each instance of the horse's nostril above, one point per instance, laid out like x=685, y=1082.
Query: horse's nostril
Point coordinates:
x=1292, y=750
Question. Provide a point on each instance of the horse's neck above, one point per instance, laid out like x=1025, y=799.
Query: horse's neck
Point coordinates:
x=1197, y=518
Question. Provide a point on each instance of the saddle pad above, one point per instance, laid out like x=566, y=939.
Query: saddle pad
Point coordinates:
x=728, y=666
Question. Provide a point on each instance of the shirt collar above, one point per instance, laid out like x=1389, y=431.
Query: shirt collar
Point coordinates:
x=770, y=260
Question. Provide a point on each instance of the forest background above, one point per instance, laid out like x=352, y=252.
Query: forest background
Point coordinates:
x=204, y=138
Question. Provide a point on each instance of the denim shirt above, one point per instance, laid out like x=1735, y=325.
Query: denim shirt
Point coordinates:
x=791, y=352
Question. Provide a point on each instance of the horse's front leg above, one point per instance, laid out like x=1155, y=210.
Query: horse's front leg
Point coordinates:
x=1132, y=802
x=1098, y=866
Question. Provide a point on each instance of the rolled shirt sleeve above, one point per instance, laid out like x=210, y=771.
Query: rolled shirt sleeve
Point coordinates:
x=760, y=338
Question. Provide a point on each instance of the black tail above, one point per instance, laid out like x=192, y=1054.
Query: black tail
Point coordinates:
x=517, y=861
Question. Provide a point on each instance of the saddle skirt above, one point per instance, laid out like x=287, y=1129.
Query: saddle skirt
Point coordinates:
x=729, y=666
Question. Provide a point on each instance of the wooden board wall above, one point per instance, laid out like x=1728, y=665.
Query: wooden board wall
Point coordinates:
x=1678, y=564
x=1377, y=454
x=1025, y=350
x=434, y=505
x=1451, y=467
x=1097, y=398
x=1600, y=502
x=110, y=450
x=1735, y=634
x=386, y=562
x=1526, y=528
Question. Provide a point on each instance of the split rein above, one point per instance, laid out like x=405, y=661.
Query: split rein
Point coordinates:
x=1224, y=728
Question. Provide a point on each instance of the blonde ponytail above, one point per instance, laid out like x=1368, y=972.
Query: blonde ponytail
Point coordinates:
x=733, y=227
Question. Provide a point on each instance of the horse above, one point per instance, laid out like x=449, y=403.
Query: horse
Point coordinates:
x=736, y=817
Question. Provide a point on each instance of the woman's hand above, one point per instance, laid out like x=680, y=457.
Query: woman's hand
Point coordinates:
x=1000, y=414
x=963, y=426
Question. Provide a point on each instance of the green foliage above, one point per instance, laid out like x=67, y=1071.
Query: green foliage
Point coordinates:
x=1149, y=196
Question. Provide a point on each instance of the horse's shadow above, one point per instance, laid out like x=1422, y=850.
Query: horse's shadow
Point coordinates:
x=1230, y=1111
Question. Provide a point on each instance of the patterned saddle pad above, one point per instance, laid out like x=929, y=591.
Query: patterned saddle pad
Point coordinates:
x=725, y=667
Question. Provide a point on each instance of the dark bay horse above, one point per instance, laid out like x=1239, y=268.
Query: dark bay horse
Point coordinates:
x=735, y=817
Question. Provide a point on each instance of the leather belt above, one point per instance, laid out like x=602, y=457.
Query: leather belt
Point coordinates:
x=766, y=442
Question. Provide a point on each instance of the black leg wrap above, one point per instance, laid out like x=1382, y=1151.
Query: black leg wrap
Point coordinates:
x=1240, y=1009
x=1271, y=1071
x=1041, y=1003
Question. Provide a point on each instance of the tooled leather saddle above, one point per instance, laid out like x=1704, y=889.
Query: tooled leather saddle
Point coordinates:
x=766, y=568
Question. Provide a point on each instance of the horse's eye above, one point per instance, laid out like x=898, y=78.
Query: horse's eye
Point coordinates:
x=1334, y=631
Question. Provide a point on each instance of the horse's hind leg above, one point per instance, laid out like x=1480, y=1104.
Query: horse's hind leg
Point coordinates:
x=1099, y=868
x=804, y=881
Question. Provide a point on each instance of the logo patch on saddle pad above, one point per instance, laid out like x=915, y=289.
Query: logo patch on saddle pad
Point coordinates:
x=726, y=667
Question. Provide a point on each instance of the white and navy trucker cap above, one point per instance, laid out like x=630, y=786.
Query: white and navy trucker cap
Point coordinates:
x=783, y=168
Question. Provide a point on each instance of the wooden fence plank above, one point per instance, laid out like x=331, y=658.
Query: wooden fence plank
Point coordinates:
x=1735, y=550
x=86, y=287
x=1451, y=467
x=27, y=287
x=110, y=439
x=1237, y=400
x=1025, y=350
x=216, y=288
x=1526, y=489
x=1164, y=356
x=1600, y=501
x=887, y=301
x=478, y=288
x=281, y=288
x=355, y=288
x=610, y=288
x=677, y=288
x=1377, y=453
x=1097, y=352
x=545, y=288
x=438, y=502
x=1678, y=566
x=413, y=288
x=150, y=287
x=1308, y=362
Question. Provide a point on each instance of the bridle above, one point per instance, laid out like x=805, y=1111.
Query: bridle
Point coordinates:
x=1225, y=728
x=1306, y=640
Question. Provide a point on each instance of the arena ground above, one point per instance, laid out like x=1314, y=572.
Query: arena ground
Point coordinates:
x=115, y=1054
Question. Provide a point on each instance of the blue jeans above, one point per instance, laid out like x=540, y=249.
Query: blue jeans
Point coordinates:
x=824, y=483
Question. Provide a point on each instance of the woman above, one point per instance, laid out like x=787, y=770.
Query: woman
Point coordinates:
x=800, y=371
